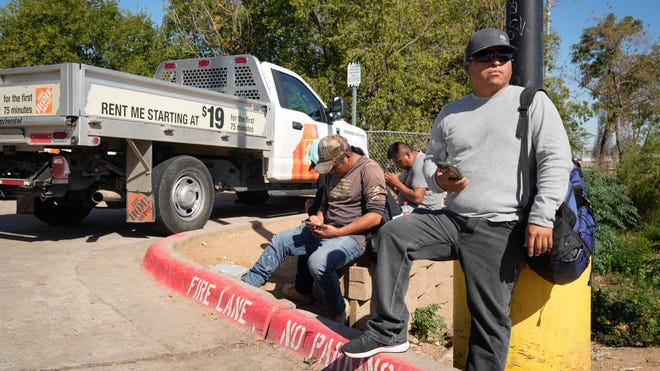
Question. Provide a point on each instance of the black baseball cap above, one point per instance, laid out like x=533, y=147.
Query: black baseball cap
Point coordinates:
x=487, y=38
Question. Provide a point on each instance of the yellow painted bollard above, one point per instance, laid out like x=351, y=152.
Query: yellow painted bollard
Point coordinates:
x=551, y=324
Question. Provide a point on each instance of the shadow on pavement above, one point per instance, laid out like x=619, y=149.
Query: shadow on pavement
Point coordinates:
x=103, y=221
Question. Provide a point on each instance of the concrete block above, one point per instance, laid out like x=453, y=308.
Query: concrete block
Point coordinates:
x=359, y=283
x=358, y=310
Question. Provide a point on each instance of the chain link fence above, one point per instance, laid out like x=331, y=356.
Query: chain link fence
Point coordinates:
x=380, y=141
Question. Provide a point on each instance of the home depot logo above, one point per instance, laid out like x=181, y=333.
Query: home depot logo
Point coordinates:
x=44, y=102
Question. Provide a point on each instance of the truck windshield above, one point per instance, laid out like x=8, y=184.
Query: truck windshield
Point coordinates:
x=296, y=96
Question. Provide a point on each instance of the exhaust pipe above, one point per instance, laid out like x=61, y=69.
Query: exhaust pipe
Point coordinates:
x=106, y=195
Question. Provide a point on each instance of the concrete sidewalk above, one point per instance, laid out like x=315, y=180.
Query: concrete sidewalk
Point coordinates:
x=316, y=340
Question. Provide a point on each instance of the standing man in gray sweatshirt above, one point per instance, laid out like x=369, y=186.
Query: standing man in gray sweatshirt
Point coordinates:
x=483, y=223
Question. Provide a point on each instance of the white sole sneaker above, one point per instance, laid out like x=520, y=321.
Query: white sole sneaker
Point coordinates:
x=399, y=348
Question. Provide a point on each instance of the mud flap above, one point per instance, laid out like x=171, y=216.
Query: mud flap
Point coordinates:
x=139, y=192
x=25, y=203
x=139, y=208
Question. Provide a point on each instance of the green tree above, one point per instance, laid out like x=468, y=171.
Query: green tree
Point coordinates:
x=411, y=64
x=414, y=64
x=304, y=36
x=615, y=213
x=95, y=32
x=573, y=113
x=205, y=28
x=295, y=34
x=640, y=172
x=613, y=59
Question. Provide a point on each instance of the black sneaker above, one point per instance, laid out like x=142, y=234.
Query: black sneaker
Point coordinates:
x=364, y=347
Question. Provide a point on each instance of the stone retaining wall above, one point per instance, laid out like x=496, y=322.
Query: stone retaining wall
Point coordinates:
x=430, y=282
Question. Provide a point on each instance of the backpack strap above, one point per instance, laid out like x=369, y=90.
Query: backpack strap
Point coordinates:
x=522, y=133
x=526, y=98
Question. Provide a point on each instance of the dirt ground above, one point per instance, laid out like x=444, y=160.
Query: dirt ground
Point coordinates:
x=243, y=246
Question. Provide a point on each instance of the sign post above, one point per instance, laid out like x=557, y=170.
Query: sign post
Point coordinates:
x=353, y=77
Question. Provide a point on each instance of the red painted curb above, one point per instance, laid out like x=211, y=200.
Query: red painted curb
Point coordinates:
x=307, y=336
x=275, y=320
x=246, y=305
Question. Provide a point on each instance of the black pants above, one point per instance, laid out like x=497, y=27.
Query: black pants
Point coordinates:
x=304, y=280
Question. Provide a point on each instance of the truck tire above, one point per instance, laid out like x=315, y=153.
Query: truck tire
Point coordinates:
x=183, y=194
x=66, y=210
x=252, y=197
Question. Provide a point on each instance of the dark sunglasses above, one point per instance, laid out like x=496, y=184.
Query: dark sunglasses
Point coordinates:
x=490, y=55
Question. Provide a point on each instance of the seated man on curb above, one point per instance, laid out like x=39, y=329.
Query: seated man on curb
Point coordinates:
x=353, y=203
x=302, y=291
x=410, y=185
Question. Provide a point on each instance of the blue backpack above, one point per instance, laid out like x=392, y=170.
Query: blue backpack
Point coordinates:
x=574, y=229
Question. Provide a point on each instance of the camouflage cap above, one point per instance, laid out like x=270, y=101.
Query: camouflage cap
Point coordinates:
x=330, y=149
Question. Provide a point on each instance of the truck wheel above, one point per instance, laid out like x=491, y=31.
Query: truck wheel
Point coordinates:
x=183, y=194
x=69, y=209
x=252, y=197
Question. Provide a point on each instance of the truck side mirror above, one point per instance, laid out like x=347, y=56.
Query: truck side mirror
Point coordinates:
x=338, y=109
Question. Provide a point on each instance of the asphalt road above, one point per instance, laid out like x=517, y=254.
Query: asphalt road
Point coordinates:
x=76, y=298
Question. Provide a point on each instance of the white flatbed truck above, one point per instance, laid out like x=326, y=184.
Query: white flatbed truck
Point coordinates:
x=73, y=136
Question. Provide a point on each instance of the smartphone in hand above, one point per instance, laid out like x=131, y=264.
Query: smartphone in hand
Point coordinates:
x=447, y=167
x=312, y=225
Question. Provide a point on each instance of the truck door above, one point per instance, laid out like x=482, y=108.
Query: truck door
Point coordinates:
x=301, y=118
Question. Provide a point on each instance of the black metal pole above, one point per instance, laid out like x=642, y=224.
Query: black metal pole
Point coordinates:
x=524, y=24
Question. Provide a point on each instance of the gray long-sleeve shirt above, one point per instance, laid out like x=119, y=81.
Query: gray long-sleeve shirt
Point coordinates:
x=478, y=134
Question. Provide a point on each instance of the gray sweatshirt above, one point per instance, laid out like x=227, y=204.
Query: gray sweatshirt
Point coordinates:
x=478, y=135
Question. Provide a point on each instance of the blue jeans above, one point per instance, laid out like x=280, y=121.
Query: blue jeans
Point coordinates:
x=325, y=257
x=491, y=255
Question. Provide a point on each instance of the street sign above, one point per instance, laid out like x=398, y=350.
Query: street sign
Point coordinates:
x=353, y=75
